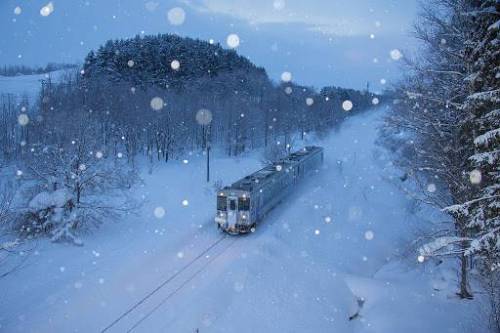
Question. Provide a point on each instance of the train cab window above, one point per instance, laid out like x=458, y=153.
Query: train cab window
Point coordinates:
x=244, y=203
x=232, y=204
x=221, y=202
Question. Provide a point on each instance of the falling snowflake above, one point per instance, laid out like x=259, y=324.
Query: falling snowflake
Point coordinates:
x=347, y=105
x=130, y=63
x=286, y=76
x=383, y=81
x=23, y=119
x=396, y=54
x=288, y=90
x=233, y=41
x=309, y=101
x=159, y=212
x=316, y=232
x=176, y=16
x=431, y=188
x=475, y=177
x=180, y=254
x=203, y=117
x=420, y=258
x=99, y=154
x=328, y=219
x=375, y=101
x=369, y=235
x=185, y=202
x=157, y=103
x=175, y=65
x=279, y=168
x=47, y=9
x=18, y=10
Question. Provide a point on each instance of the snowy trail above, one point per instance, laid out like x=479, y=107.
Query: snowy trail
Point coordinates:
x=301, y=271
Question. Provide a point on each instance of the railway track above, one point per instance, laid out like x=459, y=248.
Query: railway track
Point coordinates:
x=140, y=311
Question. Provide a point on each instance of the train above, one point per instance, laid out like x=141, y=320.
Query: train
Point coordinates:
x=241, y=206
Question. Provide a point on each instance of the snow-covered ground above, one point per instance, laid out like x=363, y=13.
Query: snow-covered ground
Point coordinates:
x=333, y=250
x=27, y=85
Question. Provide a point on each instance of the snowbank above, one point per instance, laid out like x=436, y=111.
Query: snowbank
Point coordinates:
x=45, y=200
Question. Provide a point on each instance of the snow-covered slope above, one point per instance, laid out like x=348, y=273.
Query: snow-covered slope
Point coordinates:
x=324, y=255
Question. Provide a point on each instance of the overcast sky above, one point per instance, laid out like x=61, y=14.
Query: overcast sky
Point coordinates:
x=321, y=42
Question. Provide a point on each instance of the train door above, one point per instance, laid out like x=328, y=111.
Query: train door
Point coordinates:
x=232, y=213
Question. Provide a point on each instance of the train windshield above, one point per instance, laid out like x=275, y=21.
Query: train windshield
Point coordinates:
x=244, y=203
x=232, y=204
x=221, y=202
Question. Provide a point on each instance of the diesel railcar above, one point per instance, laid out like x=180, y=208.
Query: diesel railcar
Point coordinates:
x=243, y=204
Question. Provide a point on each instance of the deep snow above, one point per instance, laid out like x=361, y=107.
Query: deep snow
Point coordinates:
x=337, y=243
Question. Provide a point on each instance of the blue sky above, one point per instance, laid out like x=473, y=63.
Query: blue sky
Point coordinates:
x=321, y=42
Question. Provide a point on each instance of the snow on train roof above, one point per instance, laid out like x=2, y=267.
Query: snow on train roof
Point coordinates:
x=247, y=183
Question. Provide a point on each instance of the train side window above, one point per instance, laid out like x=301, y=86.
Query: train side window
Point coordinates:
x=232, y=204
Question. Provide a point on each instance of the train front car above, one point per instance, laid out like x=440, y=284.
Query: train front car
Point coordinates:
x=233, y=211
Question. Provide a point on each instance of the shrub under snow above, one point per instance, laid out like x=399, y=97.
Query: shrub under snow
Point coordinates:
x=54, y=212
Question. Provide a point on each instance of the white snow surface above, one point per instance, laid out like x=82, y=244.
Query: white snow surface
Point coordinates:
x=303, y=270
x=27, y=85
x=44, y=200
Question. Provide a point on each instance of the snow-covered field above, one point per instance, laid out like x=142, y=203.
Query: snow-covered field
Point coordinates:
x=27, y=85
x=335, y=249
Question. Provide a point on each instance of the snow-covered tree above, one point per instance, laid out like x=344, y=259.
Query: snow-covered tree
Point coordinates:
x=481, y=212
x=482, y=121
x=427, y=119
x=70, y=180
x=445, y=125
